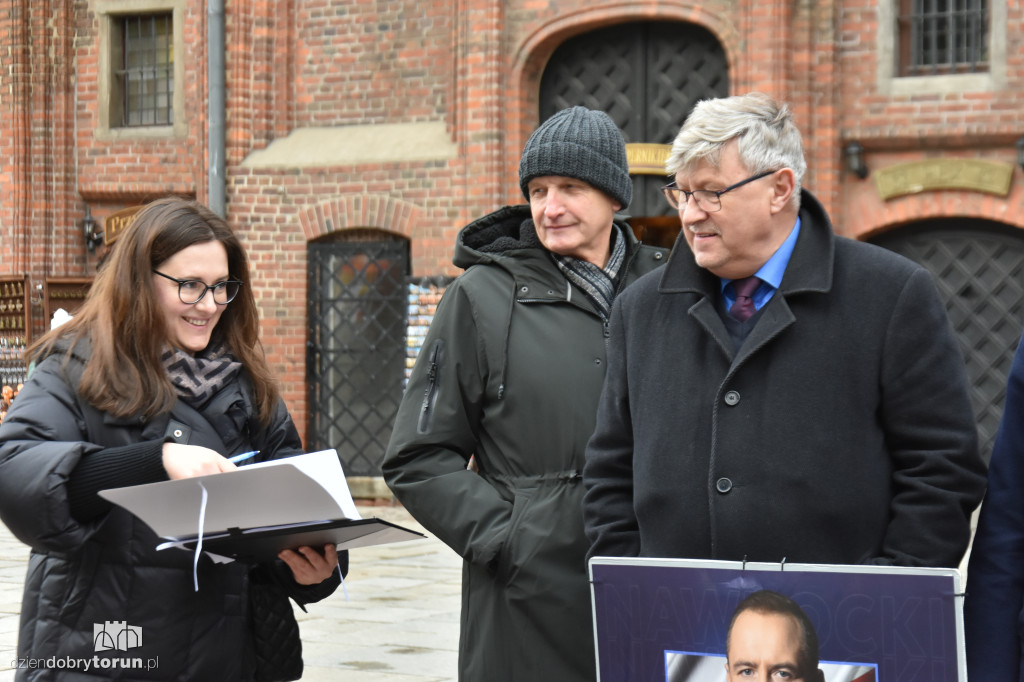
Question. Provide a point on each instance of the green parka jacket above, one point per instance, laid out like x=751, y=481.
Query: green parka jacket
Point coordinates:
x=511, y=372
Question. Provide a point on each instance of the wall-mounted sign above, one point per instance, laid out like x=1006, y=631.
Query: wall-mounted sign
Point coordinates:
x=115, y=223
x=930, y=175
x=647, y=159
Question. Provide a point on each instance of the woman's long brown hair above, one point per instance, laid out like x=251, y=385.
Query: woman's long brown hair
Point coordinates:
x=124, y=374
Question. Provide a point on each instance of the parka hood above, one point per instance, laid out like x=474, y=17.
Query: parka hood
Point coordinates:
x=507, y=229
x=510, y=229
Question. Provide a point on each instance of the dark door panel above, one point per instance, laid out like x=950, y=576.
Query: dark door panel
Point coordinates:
x=647, y=76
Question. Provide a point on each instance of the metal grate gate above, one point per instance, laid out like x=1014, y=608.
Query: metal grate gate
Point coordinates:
x=356, y=348
x=979, y=269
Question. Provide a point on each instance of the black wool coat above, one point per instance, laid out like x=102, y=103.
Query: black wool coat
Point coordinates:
x=841, y=432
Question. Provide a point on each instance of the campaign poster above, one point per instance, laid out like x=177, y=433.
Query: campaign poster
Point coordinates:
x=667, y=620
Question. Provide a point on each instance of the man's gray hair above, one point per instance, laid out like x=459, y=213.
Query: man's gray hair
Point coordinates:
x=767, y=137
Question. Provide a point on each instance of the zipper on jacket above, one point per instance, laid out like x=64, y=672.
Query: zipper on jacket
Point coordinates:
x=430, y=394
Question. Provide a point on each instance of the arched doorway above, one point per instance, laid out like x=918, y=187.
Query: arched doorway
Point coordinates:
x=979, y=268
x=355, y=360
x=647, y=76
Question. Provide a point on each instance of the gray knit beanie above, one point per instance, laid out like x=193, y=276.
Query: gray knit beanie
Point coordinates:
x=582, y=144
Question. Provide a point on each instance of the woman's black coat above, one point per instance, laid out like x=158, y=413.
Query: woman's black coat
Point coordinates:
x=84, y=575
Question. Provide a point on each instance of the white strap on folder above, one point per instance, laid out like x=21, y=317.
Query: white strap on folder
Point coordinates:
x=199, y=541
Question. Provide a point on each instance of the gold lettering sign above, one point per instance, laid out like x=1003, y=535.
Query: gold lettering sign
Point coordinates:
x=935, y=174
x=115, y=223
x=647, y=159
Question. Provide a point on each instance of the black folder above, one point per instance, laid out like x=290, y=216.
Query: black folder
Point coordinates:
x=255, y=511
x=264, y=544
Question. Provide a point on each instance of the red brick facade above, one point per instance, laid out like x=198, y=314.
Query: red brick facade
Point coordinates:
x=471, y=66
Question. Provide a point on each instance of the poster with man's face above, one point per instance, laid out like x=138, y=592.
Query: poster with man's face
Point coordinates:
x=665, y=620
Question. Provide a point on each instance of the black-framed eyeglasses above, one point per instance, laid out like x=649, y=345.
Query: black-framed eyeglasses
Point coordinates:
x=192, y=291
x=708, y=200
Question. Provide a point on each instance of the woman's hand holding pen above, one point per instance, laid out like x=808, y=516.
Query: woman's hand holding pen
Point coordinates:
x=186, y=461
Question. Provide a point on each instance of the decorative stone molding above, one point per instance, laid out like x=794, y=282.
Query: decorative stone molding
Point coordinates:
x=378, y=211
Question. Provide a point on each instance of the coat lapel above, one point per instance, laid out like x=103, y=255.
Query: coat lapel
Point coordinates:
x=810, y=270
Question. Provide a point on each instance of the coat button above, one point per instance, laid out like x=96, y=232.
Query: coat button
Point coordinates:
x=723, y=485
x=658, y=255
x=732, y=398
x=524, y=289
x=177, y=433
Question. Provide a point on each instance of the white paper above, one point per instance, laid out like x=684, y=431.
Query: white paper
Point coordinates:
x=324, y=467
x=291, y=490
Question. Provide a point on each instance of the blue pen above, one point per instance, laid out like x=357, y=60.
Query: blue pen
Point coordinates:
x=243, y=456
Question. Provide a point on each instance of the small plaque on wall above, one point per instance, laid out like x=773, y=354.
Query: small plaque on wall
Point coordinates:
x=115, y=223
x=647, y=159
x=974, y=175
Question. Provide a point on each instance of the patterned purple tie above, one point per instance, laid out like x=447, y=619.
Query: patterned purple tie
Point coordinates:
x=743, y=308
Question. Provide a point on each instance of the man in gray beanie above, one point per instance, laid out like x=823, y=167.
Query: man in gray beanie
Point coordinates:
x=488, y=444
x=582, y=144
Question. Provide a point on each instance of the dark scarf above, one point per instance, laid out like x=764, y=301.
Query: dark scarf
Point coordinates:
x=596, y=283
x=198, y=378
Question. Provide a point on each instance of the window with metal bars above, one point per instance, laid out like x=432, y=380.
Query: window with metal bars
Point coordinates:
x=144, y=70
x=938, y=37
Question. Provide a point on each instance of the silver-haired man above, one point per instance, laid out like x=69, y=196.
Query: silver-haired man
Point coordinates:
x=776, y=392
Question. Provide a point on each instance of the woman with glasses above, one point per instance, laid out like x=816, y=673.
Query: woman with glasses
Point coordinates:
x=160, y=375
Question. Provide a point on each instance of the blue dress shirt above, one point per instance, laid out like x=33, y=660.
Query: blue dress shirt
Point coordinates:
x=770, y=273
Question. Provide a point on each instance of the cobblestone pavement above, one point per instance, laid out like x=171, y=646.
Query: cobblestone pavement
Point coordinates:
x=400, y=622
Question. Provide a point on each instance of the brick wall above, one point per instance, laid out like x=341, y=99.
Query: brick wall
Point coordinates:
x=472, y=67
x=946, y=117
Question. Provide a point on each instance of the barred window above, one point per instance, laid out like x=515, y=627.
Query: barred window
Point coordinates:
x=938, y=37
x=143, y=70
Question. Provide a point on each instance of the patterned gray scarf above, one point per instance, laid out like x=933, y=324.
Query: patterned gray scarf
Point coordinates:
x=596, y=283
x=198, y=378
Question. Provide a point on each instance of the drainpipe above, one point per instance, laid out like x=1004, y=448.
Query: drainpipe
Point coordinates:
x=216, y=117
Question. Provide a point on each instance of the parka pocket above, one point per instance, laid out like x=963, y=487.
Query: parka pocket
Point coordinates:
x=508, y=563
x=436, y=360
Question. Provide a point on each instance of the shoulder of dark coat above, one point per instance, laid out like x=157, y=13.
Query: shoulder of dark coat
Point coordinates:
x=649, y=258
x=646, y=285
x=481, y=275
x=67, y=359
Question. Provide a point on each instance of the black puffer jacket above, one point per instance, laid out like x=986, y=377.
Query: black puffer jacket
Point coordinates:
x=84, y=574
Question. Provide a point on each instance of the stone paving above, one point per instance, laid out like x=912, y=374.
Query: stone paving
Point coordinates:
x=400, y=622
